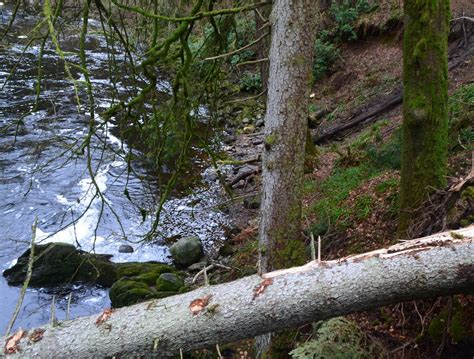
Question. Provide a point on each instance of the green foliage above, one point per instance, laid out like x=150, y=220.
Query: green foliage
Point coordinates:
x=326, y=54
x=363, y=206
x=250, y=82
x=338, y=338
x=461, y=113
x=334, y=190
x=454, y=326
x=345, y=15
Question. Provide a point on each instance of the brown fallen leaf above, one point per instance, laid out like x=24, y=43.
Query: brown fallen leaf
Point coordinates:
x=197, y=305
x=37, y=335
x=11, y=346
x=259, y=289
x=104, y=316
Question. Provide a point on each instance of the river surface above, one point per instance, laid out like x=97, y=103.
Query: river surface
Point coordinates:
x=40, y=177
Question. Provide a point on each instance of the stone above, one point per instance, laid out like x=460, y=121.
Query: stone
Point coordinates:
x=169, y=282
x=187, y=250
x=196, y=267
x=125, y=248
x=62, y=263
x=226, y=250
x=259, y=123
x=137, y=283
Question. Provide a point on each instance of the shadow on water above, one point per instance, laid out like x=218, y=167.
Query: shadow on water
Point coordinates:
x=43, y=176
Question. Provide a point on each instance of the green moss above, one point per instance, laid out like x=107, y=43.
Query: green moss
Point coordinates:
x=270, y=140
x=169, y=282
x=136, y=269
x=468, y=193
x=292, y=254
x=457, y=329
x=126, y=292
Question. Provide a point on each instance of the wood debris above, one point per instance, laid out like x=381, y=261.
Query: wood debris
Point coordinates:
x=259, y=289
x=11, y=347
x=197, y=305
x=104, y=316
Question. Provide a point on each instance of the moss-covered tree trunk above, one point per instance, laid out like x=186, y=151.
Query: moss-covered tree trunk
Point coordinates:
x=425, y=123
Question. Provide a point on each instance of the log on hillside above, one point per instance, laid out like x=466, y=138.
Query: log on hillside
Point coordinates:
x=441, y=264
x=373, y=113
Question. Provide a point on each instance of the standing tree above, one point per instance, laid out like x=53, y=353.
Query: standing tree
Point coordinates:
x=425, y=122
x=291, y=55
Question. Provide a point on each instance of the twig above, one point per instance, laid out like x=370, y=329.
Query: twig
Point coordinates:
x=54, y=321
x=29, y=272
x=247, y=98
x=319, y=249
x=313, y=249
x=251, y=62
x=209, y=267
x=219, y=352
x=237, y=50
x=463, y=18
x=68, y=308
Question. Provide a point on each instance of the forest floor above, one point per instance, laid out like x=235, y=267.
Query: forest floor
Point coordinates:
x=350, y=194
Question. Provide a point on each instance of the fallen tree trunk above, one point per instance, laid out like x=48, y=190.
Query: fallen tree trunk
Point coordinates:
x=441, y=264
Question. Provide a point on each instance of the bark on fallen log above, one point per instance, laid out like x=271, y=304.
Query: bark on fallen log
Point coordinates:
x=374, y=112
x=441, y=264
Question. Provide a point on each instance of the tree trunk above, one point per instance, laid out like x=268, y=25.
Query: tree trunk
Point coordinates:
x=425, y=96
x=291, y=56
x=261, y=15
x=437, y=265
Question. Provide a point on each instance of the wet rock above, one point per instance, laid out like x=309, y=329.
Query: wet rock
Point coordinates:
x=187, y=250
x=210, y=175
x=169, y=282
x=226, y=250
x=196, y=267
x=61, y=263
x=125, y=248
x=138, y=282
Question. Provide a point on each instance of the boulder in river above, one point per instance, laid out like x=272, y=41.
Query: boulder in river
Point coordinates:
x=62, y=263
x=187, y=250
x=125, y=248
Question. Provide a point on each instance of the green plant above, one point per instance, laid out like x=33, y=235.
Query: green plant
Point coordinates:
x=338, y=338
x=326, y=54
x=363, y=206
x=345, y=15
x=333, y=191
x=461, y=112
x=250, y=82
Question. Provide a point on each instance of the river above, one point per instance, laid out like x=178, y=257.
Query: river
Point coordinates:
x=40, y=177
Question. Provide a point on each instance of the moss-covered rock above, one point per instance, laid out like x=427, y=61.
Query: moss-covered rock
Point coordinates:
x=187, y=250
x=128, y=291
x=169, y=282
x=138, y=282
x=61, y=263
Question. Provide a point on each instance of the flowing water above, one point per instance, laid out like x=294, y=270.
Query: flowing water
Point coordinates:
x=40, y=177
